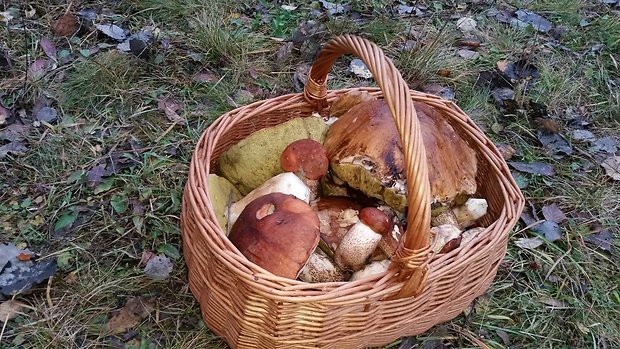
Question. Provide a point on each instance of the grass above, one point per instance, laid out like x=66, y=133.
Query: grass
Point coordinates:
x=563, y=294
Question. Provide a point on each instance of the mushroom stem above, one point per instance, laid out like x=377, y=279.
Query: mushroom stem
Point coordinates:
x=470, y=211
x=356, y=247
x=371, y=269
x=286, y=183
x=321, y=269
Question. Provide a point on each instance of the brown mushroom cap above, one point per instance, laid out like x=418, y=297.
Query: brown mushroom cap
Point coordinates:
x=336, y=218
x=376, y=220
x=278, y=232
x=365, y=150
x=305, y=156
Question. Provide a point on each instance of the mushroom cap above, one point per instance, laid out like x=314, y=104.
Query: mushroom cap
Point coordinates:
x=376, y=220
x=278, y=232
x=305, y=156
x=365, y=150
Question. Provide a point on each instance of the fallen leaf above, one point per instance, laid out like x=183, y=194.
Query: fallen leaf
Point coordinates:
x=358, y=68
x=533, y=168
x=88, y=14
x=37, y=69
x=242, y=97
x=335, y=9
x=468, y=54
x=605, y=144
x=404, y=9
x=205, y=77
x=283, y=52
x=6, y=16
x=66, y=25
x=4, y=115
x=445, y=92
x=470, y=42
x=146, y=256
x=522, y=70
x=611, y=166
x=170, y=107
x=529, y=243
x=504, y=336
x=135, y=310
x=113, y=31
x=466, y=24
x=95, y=175
x=25, y=256
x=46, y=114
x=553, y=213
x=501, y=15
x=602, y=240
x=521, y=180
x=507, y=151
x=555, y=143
x=17, y=276
x=14, y=132
x=158, y=268
x=553, y=303
x=549, y=125
x=49, y=48
x=527, y=18
x=308, y=30
x=10, y=309
x=300, y=77
x=583, y=136
x=550, y=230
x=16, y=148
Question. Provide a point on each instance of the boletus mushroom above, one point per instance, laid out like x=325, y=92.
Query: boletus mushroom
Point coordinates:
x=278, y=232
x=362, y=239
x=365, y=151
x=286, y=183
x=306, y=158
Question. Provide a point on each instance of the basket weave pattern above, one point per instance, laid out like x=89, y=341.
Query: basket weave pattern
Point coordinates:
x=251, y=308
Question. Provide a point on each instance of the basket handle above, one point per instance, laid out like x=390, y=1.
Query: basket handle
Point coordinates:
x=411, y=259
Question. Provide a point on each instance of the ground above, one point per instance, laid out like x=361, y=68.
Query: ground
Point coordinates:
x=96, y=143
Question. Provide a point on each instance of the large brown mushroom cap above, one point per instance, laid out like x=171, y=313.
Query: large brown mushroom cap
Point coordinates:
x=365, y=151
x=278, y=232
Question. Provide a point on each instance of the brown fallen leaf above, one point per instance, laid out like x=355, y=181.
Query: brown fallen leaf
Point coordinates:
x=25, y=256
x=549, y=125
x=134, y=311
x=146, y=256
x=444, y=72
x=10, y=309
x=507, y=151
x=66, y=25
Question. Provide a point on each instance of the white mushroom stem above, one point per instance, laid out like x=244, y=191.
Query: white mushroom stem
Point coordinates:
x=470, y=235
x=470, y=211
x=356, y=246
x=321, y=269
x=286, y=183
x=373, y=268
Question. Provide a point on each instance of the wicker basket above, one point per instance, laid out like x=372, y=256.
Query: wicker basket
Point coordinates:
x=251, y=308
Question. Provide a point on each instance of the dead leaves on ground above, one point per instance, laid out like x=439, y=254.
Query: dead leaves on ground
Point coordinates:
x=135, y=310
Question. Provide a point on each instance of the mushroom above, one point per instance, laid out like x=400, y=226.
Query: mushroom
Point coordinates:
x=345, y=102
x=365, y=151
x=447, y=238
x=221, y=194
x=336, y=216
x=256, y=158
x=362, y=239
x=277, y=232
x=308, y=159
x=320, y=268
x=373, y=268
x=473, y=209
x=471, y=234
x=286, y=183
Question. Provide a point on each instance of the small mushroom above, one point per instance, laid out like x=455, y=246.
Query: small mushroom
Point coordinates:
x=445, y=217
x=470, y=234
x=286, y=183
x=321, y=269
x=447, y=238
x=277, y=232
x=373, y=268
x=470, y=211
x=362, y=239
x=308, y=159
x=336, y=215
